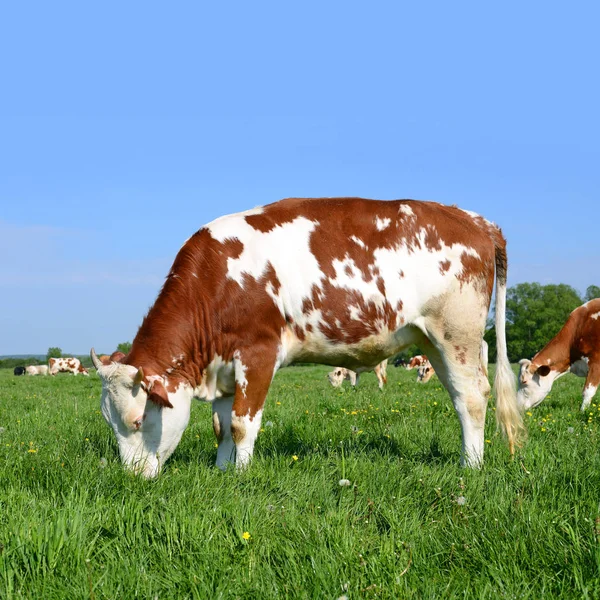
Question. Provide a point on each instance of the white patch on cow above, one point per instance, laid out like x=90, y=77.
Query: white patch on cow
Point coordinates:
x=589, y=391
x=286, y=244
x=358, y=241
x=240, y=372
x=244, y=447
x=382, y=224
x=595, y=315
x=355, y=312
x=407, y=210
x=218, y=379
x=413, y=290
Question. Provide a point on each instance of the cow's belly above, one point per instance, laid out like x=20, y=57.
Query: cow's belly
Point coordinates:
x=368, y=352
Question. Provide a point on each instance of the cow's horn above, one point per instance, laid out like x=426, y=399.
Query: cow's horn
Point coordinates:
x=97, y=362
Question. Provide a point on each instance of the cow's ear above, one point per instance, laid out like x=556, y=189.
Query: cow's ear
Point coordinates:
x=158, y=395
x=543, y=370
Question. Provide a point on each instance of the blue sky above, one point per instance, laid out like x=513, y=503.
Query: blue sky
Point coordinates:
x=124, y=127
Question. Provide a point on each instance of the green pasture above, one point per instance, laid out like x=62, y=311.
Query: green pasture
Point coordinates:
x=410, y=524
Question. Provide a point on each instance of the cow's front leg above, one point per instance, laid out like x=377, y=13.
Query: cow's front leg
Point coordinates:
x=253, y=375
x=592, y=381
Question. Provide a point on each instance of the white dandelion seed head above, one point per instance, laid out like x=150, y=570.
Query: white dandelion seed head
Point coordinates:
x=461, y=501
x=569, y=429
x=102, y=462
x=344, y=482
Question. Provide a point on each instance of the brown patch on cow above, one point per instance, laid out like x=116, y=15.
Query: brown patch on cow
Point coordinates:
x=300, y=332
x=444, y=266
x=238, y=431
x=158, y=394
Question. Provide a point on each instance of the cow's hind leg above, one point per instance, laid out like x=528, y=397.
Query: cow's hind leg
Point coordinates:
x=592, y=381
x=456, y=337
x=461, y=374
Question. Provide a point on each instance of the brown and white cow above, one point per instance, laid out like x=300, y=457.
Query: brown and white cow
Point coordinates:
x=425, y=372
x=575, y=348
x=66, y=365
x=340, y=281
x=37, y=370
x=339, y=374
x=416, y=361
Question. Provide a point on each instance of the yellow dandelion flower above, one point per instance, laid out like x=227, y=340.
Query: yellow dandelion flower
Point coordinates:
x=294, y=457
x=32, y=450
x=246, y=535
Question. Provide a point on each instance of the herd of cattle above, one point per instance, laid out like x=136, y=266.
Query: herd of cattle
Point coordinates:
x=346, y=282
x=54, y=366
x=65, y=365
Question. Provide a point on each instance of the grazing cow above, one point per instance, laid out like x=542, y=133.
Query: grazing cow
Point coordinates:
x=339, y=281
x=425, y=372
x=66, y=365
x=416, y=361
x=37, y=370
x=19, y=371
x=339, y=374
x=575, y=348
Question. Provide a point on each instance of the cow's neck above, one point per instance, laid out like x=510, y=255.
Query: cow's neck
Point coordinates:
x=176, y=338
x=557, y=353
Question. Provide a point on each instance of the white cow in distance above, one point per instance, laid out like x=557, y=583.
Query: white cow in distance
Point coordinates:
x=37, y=370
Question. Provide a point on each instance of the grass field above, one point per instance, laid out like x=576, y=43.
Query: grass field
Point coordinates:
x=411, y=524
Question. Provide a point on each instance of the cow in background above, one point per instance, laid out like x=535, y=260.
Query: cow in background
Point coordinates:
x=340, y=281
x=19, y=371
x=575, y=348
x=416, y=361
x=425, y=372
x=37, y=370
x=339, y=374
x=66, y=365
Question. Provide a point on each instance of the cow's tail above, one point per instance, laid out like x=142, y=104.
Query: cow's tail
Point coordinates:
x=508, y=415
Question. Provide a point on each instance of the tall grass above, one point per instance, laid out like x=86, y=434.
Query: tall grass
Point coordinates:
x=410, y=524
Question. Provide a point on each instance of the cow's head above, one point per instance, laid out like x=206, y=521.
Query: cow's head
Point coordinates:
x=337, y=376
x=425, y=373
x=535, y=383
x=139, y=410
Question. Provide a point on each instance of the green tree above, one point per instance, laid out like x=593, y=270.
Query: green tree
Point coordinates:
x=53, y=353
x=535, y=314
x=592, y=292
x=124, y=347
